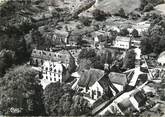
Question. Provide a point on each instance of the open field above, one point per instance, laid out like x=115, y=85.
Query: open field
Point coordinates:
x=113, y=6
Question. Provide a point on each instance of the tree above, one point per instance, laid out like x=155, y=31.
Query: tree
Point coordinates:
x=121, y=13
x=72, y=64
x=52, y=94
x=21, y=93
x=6, y=61
x=87, y=53
x=135, y=33
x=61, y=100
x=79, y=107
x=99, y=15
x=148, y=7
x=129, y=60
x=85, y=21
x=124, y=32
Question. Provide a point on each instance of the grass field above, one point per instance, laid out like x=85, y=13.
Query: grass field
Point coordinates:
x=114, y=5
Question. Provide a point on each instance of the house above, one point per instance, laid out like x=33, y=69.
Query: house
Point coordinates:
x=122, y=42
x=119, y=80
x=135, y=76
x=142, y=27
x=161, y=58
x=135, y=43
x=52, y=72
x=100, y=37
x=94, y=83
x=126, y=103
x=88, y=85
x=39, y=56
x=60, y=37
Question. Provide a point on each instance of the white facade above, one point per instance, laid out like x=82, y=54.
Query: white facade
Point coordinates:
x=52, y=71
x=122, y=42
x=138, y=53
x=96, y=91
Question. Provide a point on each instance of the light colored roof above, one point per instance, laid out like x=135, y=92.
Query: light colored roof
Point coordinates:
x=161, y=58
x=118, y=78
x=162, y=54
x=125, y=39
x=75, y=74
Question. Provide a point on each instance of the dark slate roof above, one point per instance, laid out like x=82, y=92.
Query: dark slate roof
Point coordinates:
x=118, y=78
x=104, y=82
x=89, y=77
x=140, y=98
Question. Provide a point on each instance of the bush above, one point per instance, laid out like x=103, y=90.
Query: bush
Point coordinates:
x=99, y=15
x=85, y=21
x=149, y=7
x=121, y=13
x=124, y=32
x=135, y=33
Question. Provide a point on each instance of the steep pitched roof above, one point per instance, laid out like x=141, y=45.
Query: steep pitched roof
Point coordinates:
x=89, y=77
x=104, y=82
x=118, y=78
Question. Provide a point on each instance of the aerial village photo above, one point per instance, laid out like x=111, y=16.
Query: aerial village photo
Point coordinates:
x=82, y=58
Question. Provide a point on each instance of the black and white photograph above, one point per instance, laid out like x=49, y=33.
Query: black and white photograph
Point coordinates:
x=82, y=58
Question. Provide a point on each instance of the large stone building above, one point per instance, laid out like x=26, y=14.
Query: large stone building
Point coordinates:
x=53, y=71
x=39, y=56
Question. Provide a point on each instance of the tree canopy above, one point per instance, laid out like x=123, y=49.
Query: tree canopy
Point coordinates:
x=61, y=100
x=21, y=93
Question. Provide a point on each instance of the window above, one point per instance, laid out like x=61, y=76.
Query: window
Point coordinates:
x=59, y=71
x=54, y=70
x=59, y=75
x=59, y=80
x=46, y=77
x=98, y=94
x=50, y=79
x=49, y=54
x=46, y=68
x=54, y=79
x=50, y=69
